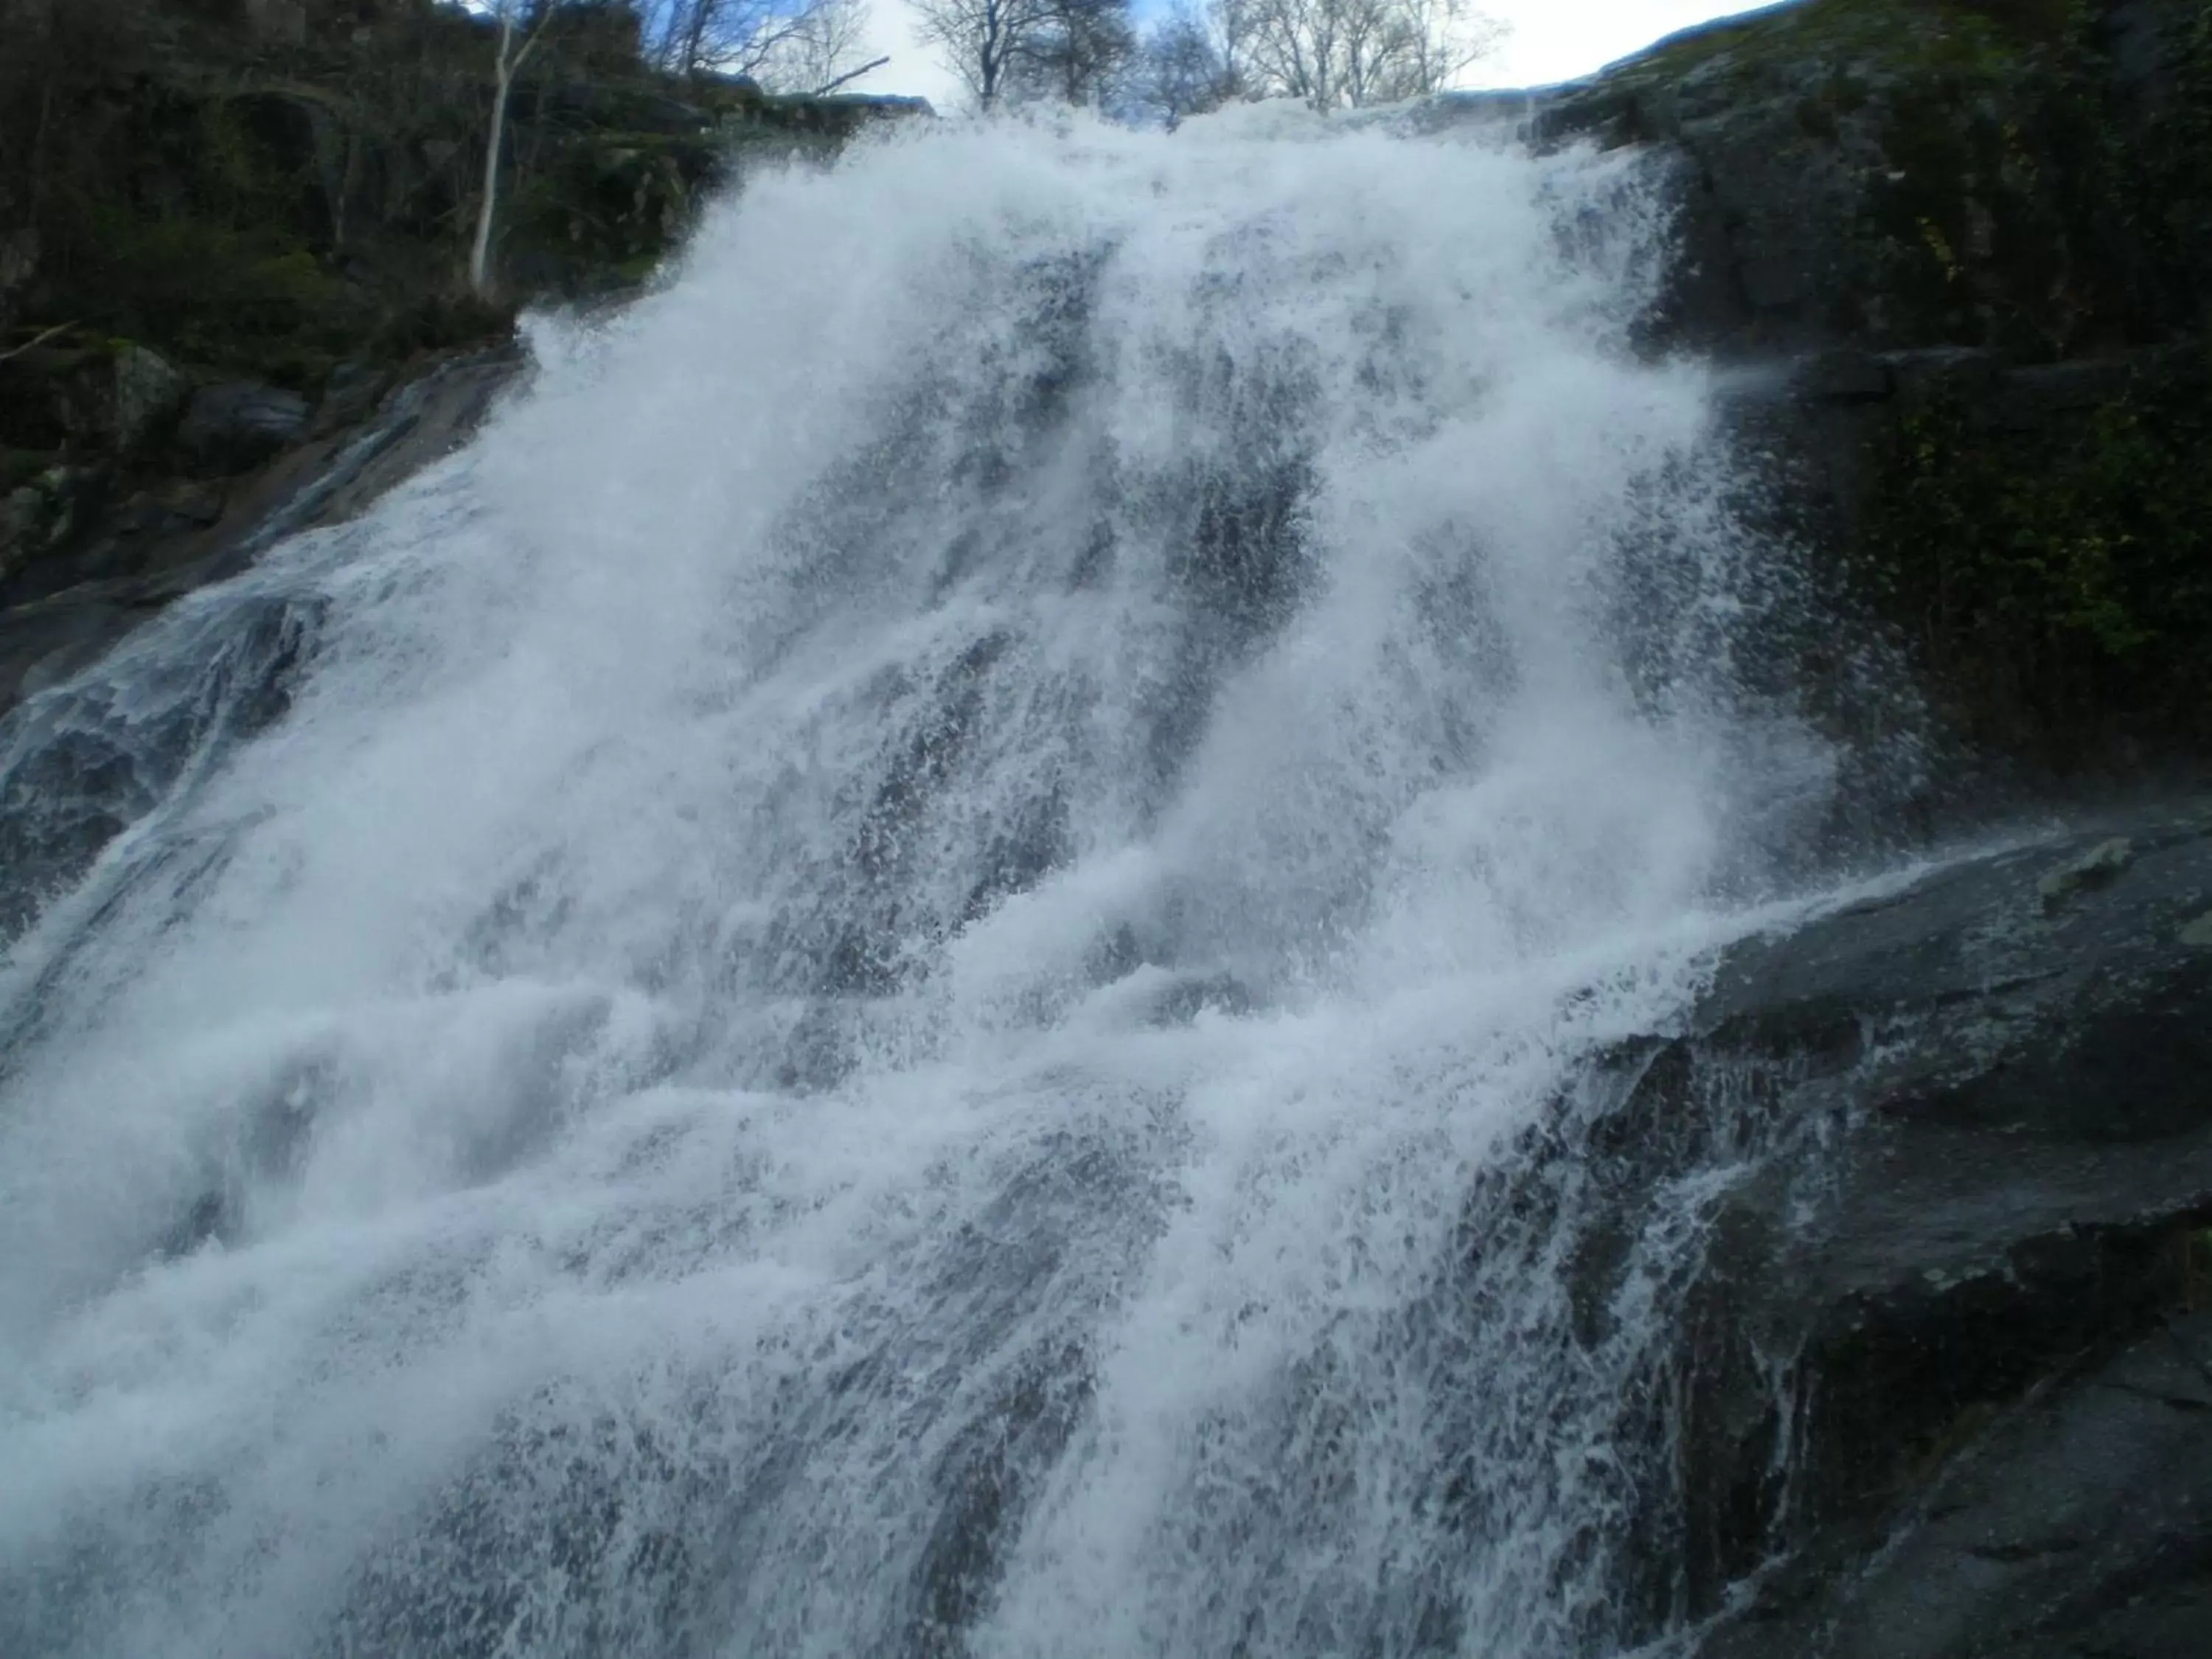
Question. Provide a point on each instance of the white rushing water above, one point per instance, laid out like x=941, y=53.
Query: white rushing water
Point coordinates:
x=855, y=995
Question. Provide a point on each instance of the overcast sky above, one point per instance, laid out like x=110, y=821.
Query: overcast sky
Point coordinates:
x=1551, y=41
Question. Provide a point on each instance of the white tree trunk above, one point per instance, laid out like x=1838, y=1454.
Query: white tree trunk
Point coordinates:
x=503, y=72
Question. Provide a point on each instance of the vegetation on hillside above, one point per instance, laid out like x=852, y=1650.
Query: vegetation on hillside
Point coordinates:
x=227, y=226
x=2056, y=575
x=267, y=186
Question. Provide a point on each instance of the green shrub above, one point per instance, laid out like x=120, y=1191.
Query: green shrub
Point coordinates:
x=2058, y=581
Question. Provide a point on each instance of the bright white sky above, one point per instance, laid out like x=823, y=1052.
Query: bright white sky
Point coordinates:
x=1551, y=41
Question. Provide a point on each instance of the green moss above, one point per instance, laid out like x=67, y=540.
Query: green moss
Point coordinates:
x=234, y=182
x=266, y=215
x=437, y=322
x=197, y=231
x=2057, y=581
x=1992, y=222
x=254, y=297
x=2173, y=155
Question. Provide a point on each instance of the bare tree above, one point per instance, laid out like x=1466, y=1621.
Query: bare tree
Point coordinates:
x=1187, y=65
x=505, y=66
x=791, y=45
x=1336, y=54
x=1073, y=51
x=815, y=47
x=850, y=75
x=1080, y=54
x=983, y=40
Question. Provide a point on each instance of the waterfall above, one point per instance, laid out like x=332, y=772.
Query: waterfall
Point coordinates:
x=879, y=979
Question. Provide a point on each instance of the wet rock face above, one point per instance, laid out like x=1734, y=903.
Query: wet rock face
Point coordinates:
x=1946, y=1384
x=23, y=514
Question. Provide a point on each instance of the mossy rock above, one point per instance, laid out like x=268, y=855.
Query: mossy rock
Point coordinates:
x=2053, y=571
x=79, y=390
x=1746, y=56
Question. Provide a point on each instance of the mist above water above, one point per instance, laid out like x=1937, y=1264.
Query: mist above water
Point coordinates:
x=854, y=988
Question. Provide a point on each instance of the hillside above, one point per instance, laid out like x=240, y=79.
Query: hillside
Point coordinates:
x=225, y=229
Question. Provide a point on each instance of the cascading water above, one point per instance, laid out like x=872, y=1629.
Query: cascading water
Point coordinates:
x=862, y=987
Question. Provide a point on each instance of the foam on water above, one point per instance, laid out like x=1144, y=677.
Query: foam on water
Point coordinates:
x=856, y=1000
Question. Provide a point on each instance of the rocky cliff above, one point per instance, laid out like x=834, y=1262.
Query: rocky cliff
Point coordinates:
x=1960, y=248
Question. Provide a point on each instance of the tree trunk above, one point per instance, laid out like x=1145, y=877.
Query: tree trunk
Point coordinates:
x=868, y=68
x=695, y=42
x=503, y=82
x=990, y=59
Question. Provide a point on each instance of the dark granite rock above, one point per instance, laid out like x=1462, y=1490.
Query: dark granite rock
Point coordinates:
x=148, y=391
x=1903, y=175
x=1942, y=1380
x=2079, y=1521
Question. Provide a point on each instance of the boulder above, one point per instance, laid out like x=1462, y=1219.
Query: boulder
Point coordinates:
x=101, y=396
x=147, y=392
x=239, y=424
x=42, y=515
